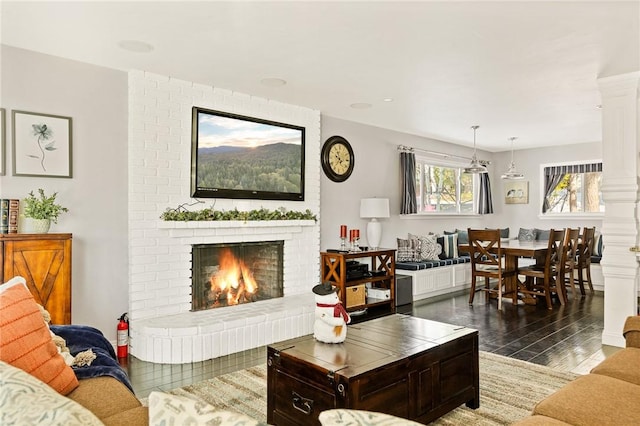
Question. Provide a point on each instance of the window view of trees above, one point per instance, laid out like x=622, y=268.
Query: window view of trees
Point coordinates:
x=577, y=192
x=275, y=167
x=443, y=189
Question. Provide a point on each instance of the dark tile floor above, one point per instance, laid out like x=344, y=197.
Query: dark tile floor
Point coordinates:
x=563, y=338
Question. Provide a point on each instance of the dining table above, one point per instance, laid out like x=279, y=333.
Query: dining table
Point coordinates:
x=513, y=250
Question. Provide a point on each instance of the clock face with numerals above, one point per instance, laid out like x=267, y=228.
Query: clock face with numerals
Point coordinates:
x=337, y=159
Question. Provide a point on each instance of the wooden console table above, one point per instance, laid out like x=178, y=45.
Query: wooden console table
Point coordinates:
x=381, y=276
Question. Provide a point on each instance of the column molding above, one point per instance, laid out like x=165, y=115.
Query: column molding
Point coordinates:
x=620, y=190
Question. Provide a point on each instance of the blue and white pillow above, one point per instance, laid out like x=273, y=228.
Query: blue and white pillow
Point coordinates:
x=597, y=245
x=449, y=245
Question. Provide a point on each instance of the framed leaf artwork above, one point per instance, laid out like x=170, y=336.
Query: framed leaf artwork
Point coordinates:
x=41, y=145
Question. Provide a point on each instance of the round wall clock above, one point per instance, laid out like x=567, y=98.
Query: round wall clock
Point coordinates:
x=337, y=158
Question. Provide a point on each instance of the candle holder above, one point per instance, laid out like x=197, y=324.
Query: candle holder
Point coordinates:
x=343, y=237
x=343, y=243
x=355, y=240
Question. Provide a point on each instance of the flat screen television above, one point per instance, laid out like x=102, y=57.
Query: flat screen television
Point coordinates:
x=233, y=156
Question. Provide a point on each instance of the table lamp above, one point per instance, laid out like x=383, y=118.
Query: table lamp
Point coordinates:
x=374, y=209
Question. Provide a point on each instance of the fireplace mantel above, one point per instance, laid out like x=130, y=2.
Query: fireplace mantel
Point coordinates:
x=163, y=224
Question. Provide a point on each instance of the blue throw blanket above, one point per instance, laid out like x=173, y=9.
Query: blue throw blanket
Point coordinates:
x=80, y=338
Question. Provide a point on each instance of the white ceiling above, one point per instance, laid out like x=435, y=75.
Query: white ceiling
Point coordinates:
x=524, y=69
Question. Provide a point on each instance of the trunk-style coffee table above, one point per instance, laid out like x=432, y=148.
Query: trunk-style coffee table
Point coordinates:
x=400, y=365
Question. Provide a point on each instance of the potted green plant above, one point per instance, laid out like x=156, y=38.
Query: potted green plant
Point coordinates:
x=40, y=211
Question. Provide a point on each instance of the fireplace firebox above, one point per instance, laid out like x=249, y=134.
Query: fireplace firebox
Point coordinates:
x=235, y=273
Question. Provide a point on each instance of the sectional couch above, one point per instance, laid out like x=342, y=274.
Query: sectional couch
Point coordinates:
x=609, y=395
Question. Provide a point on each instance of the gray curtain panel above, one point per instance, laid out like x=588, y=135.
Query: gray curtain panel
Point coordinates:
x=408, y=170
x=485, y=202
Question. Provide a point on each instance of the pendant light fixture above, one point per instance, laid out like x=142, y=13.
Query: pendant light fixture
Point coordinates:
x=475, y=167
x=512, y=173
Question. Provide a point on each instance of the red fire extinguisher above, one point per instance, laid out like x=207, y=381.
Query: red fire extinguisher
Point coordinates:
x=123, y=336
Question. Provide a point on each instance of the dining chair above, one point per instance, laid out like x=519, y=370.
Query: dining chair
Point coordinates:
x=583, y=261
x=573, y=242
x=486, y=262
x=547, y=279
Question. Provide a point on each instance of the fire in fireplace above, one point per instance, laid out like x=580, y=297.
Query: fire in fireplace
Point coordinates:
x=235, y=273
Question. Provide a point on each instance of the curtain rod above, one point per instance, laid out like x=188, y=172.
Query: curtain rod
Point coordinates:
x=405, y=148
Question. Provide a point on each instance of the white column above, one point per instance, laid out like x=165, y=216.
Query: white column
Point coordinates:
x=621, y=171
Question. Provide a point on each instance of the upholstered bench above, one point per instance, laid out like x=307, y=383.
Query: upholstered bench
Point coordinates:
x=436, y=277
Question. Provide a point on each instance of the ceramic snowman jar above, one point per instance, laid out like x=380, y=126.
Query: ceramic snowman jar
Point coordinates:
x=331, y=321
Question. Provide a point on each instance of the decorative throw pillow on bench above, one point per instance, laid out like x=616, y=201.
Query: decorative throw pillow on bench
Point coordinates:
x=597, y=245
x=463, y=235
x=504, y=232
x=527, y=234
x=407, y=251
x=449, y=245
x=427, y=246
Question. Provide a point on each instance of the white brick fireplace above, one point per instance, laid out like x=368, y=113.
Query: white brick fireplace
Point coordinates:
x=162, y=327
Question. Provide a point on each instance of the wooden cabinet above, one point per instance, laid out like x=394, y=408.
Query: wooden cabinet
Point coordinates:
x=379, y=281
x=44, y=260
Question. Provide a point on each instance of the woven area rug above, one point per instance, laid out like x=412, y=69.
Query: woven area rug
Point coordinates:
x=509, y=389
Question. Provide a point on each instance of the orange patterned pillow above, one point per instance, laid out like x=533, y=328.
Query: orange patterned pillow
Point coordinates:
x=25, y=339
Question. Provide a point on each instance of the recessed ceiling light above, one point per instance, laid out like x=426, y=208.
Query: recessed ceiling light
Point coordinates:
x=273, y=82
x=388, y=99
x=599, y=106
x=135, y=46
x=360, y=105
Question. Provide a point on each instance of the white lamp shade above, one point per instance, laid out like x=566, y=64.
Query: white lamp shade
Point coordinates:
x=374, y=208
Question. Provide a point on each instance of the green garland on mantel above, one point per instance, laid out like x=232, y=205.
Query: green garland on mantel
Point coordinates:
x=180, y=214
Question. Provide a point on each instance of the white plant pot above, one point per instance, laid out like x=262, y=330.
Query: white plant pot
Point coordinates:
x=35, y=226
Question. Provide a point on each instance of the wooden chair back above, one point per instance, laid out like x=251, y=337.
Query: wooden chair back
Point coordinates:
x=586, y=246
x=557, y=252
x=545, y=280
x=486, y=262
x=484, y=248
x=573, y=241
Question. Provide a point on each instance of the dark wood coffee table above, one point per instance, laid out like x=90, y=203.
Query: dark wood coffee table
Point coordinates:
x=400, y=365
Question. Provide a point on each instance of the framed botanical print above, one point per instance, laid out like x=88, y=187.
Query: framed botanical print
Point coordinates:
x=41, y=145
x=516, y=192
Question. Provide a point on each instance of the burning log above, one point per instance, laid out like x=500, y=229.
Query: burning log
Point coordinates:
x=232, y=282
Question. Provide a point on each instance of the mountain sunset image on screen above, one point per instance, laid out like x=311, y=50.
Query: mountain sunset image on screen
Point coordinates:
x=241, y=157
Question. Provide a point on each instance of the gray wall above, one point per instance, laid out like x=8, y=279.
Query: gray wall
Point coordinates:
x=96, y=99
x=377, y=174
